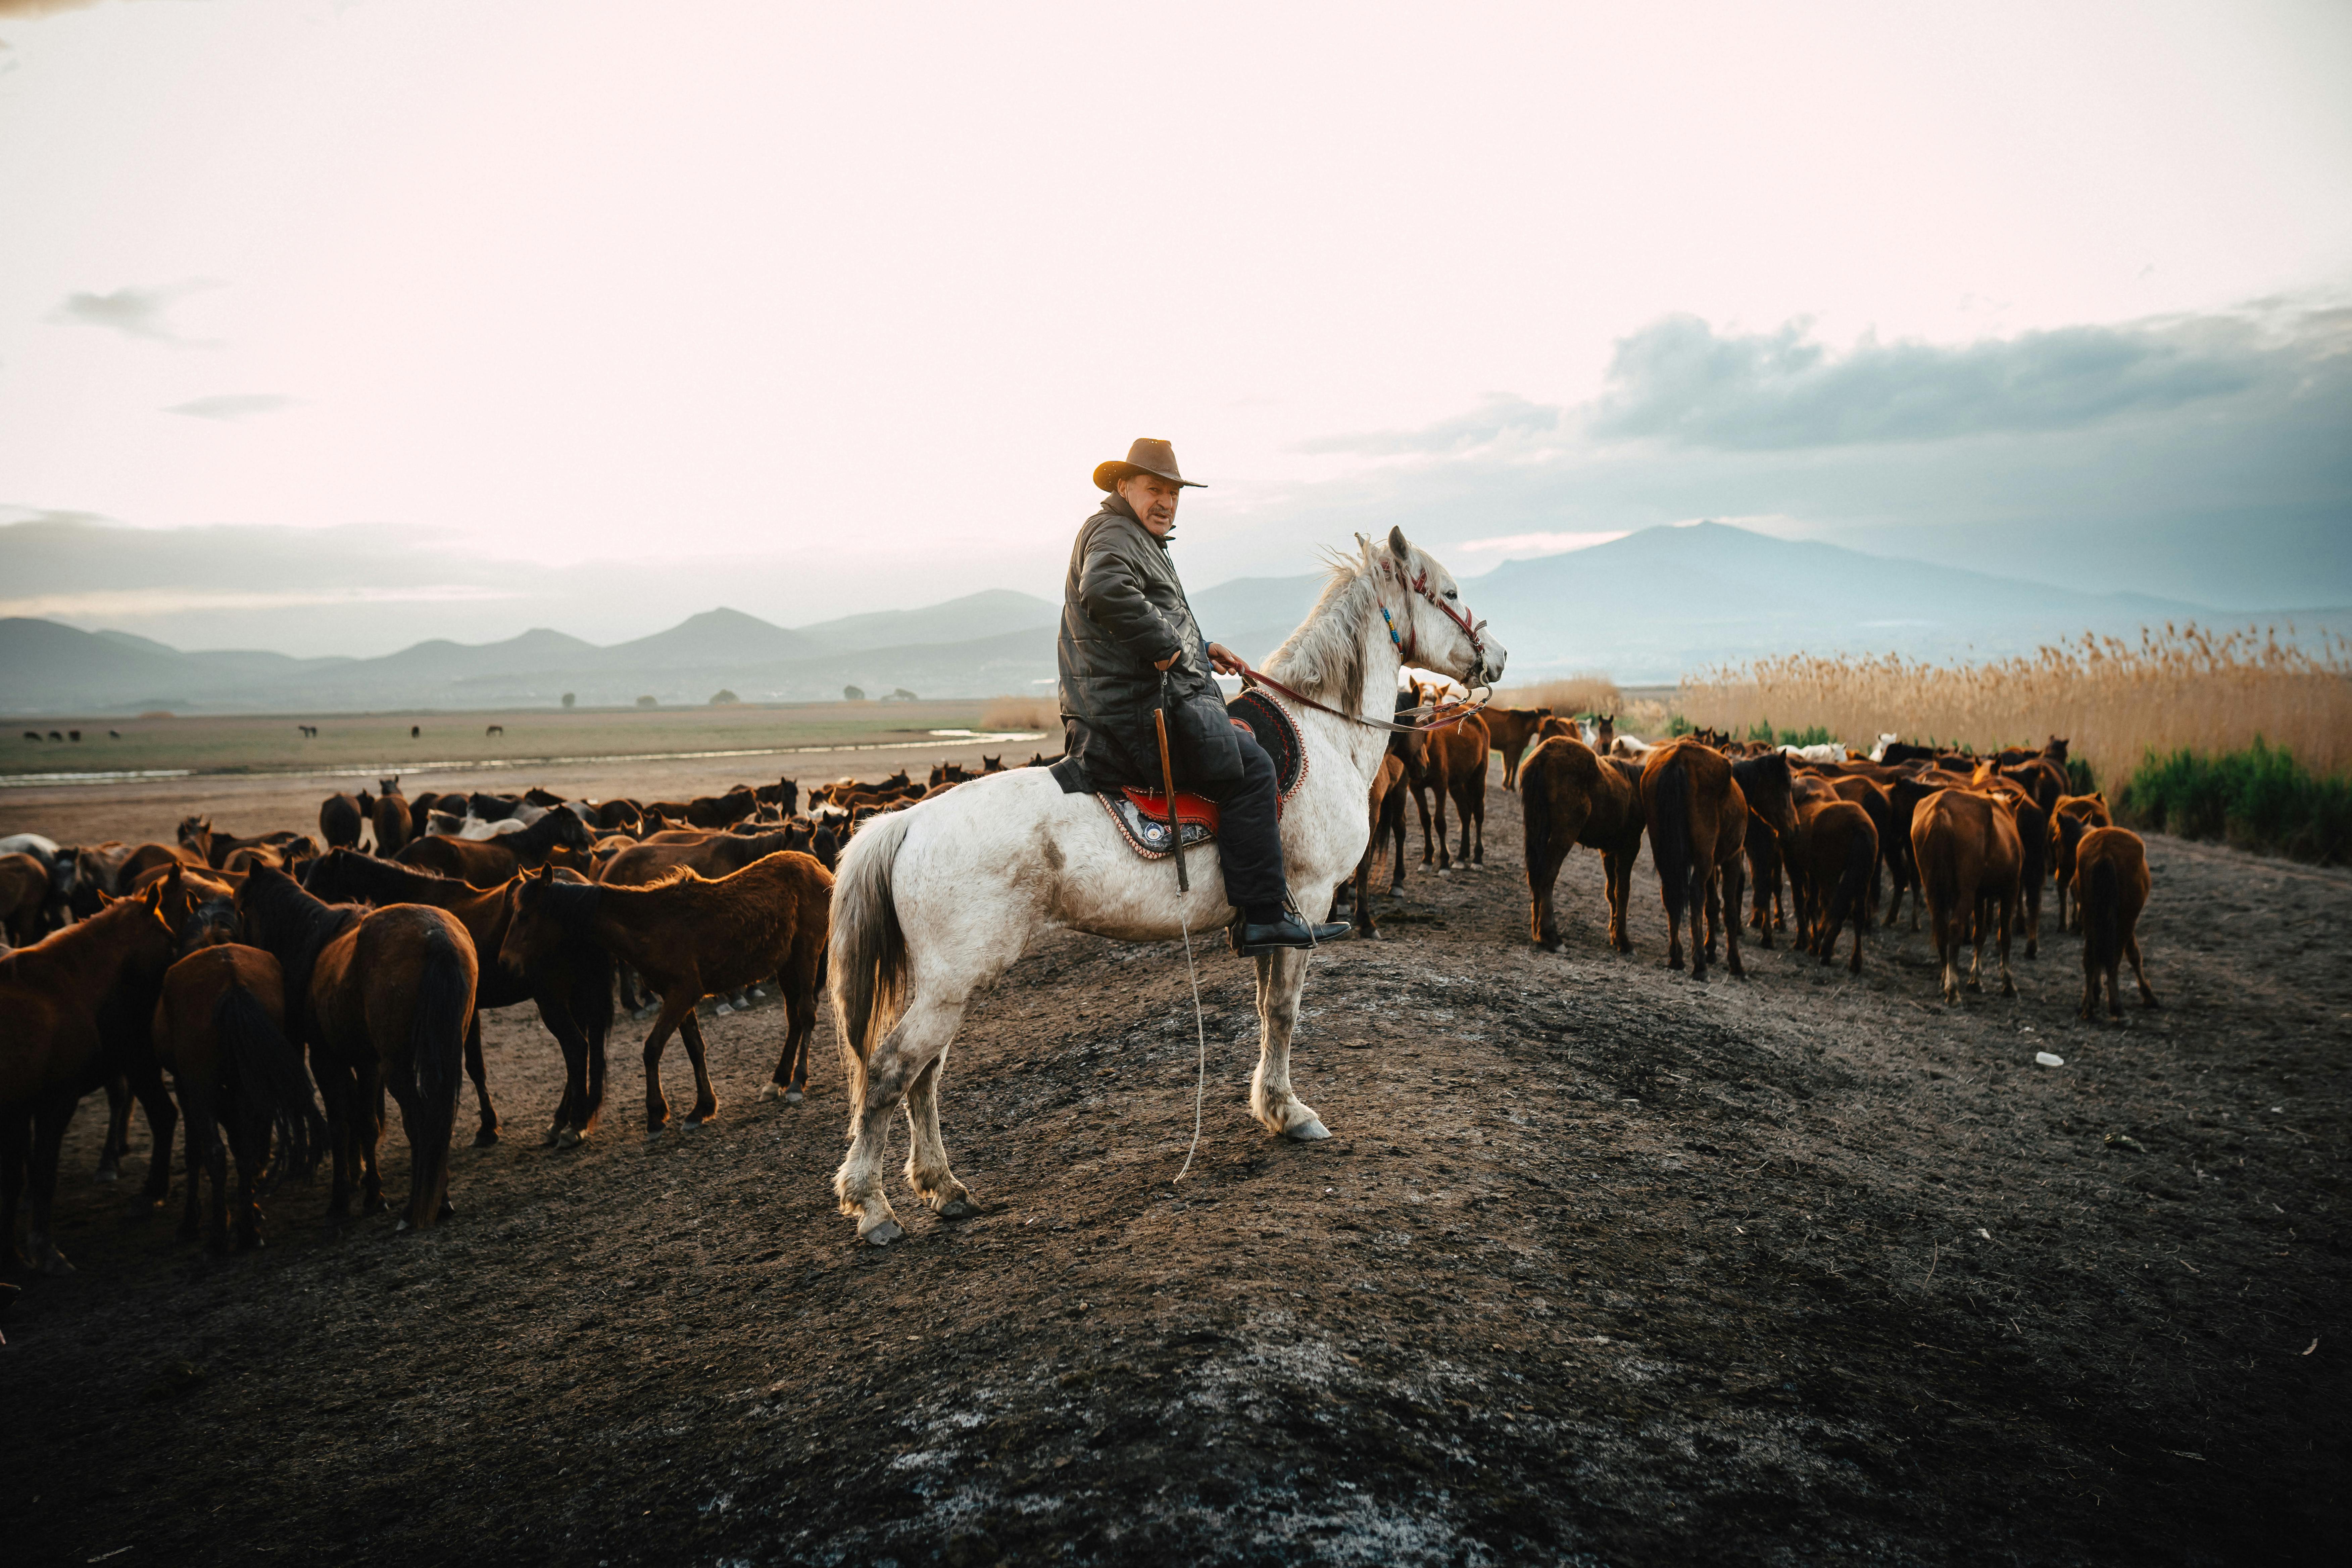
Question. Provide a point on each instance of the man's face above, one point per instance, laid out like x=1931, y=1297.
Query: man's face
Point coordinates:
x=1154, y=500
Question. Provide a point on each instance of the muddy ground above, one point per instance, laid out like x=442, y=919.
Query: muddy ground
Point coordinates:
x=1602, y=1266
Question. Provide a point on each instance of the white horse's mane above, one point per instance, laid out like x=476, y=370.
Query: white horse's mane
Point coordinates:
x=1324, y=657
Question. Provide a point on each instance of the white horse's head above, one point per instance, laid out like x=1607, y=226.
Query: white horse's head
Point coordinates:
x=1432, y=627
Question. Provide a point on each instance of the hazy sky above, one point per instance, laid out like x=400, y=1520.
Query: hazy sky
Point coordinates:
x=812, y=309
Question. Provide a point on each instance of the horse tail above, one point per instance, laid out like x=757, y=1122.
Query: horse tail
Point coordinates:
x=2103, y=934
x=1535, y=807
x=270, y=1075
x=1670, y=834
x=867, y=954
x=1853, y=897
x=436, y=1048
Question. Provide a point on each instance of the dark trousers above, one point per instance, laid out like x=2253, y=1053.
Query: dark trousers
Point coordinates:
x=1249, y=836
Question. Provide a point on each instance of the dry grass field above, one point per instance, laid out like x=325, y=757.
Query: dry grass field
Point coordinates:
x=362, y=744
x=2114, y=700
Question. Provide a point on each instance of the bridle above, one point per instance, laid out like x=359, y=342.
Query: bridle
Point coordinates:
x=1429, y=716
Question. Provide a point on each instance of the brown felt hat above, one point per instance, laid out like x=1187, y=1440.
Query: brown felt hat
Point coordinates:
x=1146, y=457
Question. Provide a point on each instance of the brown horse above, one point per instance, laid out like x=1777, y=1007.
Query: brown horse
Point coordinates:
x=1698, y=819
x=341, y=816
x=559, y=839
x=1769, y=782
x=1568, y=796
x=573, y=989
x=381, y=998
x=690, y=937
x=712, y=855
x=1969, y=861
x=1454, y=767
x=219, y=1029
x=61, y=1002
x=24, y=899
x=1893, y=837
x=2074, y=816
x=1838, y=845
x=1511, y=729
x=718, y=810
x=2111, y=885
x=391, y=816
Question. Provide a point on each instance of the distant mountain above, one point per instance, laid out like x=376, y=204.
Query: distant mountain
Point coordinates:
x=1648, y=607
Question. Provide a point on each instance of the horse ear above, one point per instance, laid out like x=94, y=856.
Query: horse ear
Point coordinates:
x=1397, y=546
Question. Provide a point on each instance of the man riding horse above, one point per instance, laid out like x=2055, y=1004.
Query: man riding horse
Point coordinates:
x=1129, y=645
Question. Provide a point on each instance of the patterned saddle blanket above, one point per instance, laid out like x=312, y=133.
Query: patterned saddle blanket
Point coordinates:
x=1142, y=813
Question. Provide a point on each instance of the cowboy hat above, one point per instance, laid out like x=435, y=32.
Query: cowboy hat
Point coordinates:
x=1146, y=457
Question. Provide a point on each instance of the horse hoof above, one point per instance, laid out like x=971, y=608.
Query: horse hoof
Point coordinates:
x=486, y=1138
x=771, y=1091
x=55, y=1265
x=691, y=1124
x=1308, y=1131
x=569, y=1138
x=553, y=1138
x=882, y=1235
x=401, y=1228
x=107, y=1175
x=958, y=1208
x=794, y=1096
x=722, y=1010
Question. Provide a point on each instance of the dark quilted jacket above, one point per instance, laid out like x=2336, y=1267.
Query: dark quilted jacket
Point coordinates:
x=1122, y=610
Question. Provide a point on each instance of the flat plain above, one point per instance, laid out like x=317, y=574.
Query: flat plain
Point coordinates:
x=1602, y=1266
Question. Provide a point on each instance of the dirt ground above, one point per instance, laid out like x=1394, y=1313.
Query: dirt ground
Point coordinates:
x=1602, y=1266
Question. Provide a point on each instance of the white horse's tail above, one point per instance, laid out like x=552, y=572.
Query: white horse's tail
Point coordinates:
x=868, y=954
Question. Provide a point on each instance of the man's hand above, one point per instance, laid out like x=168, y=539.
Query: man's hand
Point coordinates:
x=1224, y=660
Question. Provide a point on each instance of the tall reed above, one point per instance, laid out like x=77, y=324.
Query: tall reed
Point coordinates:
x=2184, y=689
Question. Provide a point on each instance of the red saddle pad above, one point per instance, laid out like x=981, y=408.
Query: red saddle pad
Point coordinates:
x=1190, y=807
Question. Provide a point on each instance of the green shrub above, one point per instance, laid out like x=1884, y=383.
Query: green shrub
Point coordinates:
x=2260, y=798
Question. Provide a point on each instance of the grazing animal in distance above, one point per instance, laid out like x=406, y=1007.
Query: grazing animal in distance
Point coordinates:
x=1570, y=796
x=391, y=816
x=1511, y=729
x=495, y=729
x=1970, y=860
x=416, y=730
x=219, y=1029
x=1697, y=820
x=381, y=998
x=690, y=937
x=2111, y=885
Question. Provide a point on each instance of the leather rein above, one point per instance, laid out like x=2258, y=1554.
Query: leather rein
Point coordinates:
x=1425, y=718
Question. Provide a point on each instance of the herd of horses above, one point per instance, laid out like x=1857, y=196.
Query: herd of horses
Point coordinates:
x=270, y=992
x=216, y=980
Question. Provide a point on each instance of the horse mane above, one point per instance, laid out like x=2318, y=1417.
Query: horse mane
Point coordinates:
x=1324, y=658
x=570, y=905
x=303, y=923
x=367, y=874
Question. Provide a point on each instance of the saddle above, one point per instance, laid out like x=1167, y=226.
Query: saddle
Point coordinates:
x=1141, y=815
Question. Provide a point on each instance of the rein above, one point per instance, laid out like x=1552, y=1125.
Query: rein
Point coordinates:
x=1429, y=717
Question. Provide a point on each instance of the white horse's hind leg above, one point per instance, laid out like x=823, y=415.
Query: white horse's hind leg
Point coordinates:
x=906, y=1054
x=927, y=1155
x=1280, y=977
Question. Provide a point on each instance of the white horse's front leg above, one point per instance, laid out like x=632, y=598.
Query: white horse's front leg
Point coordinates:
x=1280, y=977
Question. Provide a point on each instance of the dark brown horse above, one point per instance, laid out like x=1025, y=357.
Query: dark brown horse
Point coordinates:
x=1838, y=845
x=63, y=1002
x=1697, y=820
x=1511, y=729
x=219, y=1030
x=2073, y=815
x=381, y=998
x=341, y=816
x=1570, y=796
x=391, y=816
x=572, y=988
x=690, y=938
x=1970, y=860
x=559, y=839
x=24, y=899
x=1454, y=767
x=2111, y=884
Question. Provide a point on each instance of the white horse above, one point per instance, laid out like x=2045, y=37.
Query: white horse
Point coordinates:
x=934, y=900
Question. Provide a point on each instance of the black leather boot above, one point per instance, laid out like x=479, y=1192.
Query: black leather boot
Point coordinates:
x=1253, y=937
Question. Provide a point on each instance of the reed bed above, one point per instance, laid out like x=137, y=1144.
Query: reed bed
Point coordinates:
x=2179, y=690
x=1570, y=695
